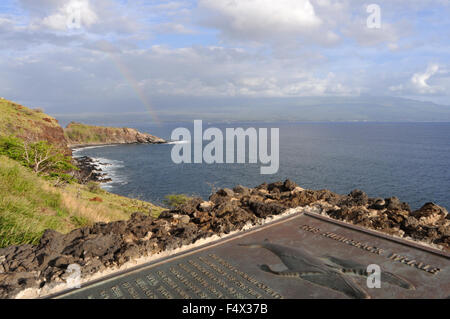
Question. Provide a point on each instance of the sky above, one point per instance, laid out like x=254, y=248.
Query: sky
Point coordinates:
x=81, y=56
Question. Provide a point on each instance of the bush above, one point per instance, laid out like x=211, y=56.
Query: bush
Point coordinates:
x=11, y=147
x=94, y=187
x=176, y=200
x=41, y=157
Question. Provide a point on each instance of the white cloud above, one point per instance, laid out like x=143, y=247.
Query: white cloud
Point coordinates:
x=419, y=80
x=98, y=17
x=101, y=77
x=77, y=12
x=388, y=33
x=171, y=27
x=264, y=48
x=433, y=82
x=73, y=12
x=283, y=23
x=259, y=19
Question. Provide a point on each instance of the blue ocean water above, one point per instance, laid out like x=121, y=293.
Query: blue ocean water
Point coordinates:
x=407, y=160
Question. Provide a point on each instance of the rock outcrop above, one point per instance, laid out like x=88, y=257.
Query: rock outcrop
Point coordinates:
x=84, y=135
x=105, y=245
x=89, y=170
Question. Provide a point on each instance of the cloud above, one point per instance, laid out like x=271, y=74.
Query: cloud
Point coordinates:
x=388, y=33
x=419, y=80
x=222, y=48
x=100, y=17
x=102, y=78
x=174, y=28
x=302, y=22
x=433, y=82
x=260, y=19
x=73, y=14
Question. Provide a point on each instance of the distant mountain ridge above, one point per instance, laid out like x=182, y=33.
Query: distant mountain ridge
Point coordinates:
x=307, y=109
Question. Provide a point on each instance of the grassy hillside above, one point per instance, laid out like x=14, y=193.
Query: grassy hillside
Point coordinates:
x=31, y=124
x=82, y=134
x=29, y=200
x=30, y=204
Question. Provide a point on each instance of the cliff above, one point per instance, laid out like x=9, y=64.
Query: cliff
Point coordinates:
x=31, y=124
x=78, y=134
x=35, y=125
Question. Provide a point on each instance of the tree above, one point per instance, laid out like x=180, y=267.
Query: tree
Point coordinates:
x=176, y=200
x=40, y=156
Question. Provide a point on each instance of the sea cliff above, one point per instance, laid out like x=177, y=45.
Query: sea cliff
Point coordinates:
x=31, y=125
x=35, y=125
x=79, y=135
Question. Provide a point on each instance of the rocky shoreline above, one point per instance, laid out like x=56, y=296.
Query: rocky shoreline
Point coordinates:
x=106, y=246
x=89, y=170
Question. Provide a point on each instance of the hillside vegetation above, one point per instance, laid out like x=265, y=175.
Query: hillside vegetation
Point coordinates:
x=38, y=190
x=31, y=125
x=30, y=204
x=82, y=134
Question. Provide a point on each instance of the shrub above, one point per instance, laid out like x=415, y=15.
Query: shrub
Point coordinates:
x=94, y=187
x=11, y=147
x=41, y=157
x=176, y=200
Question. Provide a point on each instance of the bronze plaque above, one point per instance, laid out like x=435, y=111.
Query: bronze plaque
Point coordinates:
x=302, y=256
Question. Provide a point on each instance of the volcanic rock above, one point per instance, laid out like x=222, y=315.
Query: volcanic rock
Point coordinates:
x=105, y=245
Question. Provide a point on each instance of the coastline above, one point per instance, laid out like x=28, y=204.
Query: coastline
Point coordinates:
x=74, y=147
x=91, y=169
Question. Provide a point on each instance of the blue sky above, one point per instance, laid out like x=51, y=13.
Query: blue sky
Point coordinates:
x=121, y=56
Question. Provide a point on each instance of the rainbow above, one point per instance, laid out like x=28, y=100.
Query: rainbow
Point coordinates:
x=132, y=82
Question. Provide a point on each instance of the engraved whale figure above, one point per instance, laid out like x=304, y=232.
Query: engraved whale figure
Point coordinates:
x=353, y=268
x=327, y=271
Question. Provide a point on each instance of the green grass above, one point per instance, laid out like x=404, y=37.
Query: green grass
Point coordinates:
x=15, y=118
x=31, y=124
x=77, y=133
x=26, y=208
x=30, y=204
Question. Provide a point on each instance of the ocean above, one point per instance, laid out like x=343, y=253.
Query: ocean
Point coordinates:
x=407, y=160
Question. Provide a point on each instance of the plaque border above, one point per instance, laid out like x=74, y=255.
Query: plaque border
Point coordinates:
x=220, y=241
